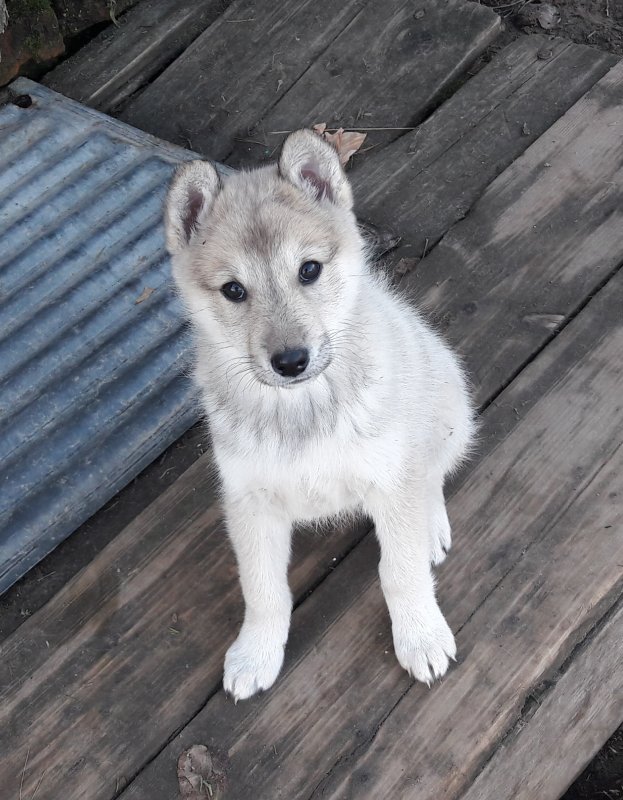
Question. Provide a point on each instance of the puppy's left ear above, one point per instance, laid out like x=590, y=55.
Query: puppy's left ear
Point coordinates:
x=313, y=165
x=192, y=192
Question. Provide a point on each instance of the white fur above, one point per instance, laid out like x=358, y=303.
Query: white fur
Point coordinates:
x=383, y=418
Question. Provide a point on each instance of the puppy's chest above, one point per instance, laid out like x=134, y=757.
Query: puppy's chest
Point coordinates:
x=321, y=479
x=322, y=484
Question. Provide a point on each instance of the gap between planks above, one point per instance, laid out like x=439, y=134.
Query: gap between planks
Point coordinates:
x=575, y=715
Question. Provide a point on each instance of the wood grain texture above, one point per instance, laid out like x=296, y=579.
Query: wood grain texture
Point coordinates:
x=429, y=179
x=234, y=73
x=546, y=232
x=522, y=632
x=570, y=719
x=113, y=666
x=123, y=59
x=387, y=69
x=93, y=683
x=535, y=563
x=236, y=70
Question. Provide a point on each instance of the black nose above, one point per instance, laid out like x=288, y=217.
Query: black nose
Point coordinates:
x=290, y=363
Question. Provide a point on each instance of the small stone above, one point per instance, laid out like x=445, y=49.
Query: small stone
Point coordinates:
x=419, y=14
x=525, y=130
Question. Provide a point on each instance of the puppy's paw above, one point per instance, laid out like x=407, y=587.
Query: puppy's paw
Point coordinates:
x=440, y=535
x=424, y=644
x=252, y=664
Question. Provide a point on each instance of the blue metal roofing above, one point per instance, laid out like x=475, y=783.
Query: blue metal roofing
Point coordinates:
x=93, y=348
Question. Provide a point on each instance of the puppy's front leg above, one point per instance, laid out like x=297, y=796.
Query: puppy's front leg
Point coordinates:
x=261, y=542
x=422, y=639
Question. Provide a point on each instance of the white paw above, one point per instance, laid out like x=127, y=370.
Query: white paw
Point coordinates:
x=440, y=535
x=423, y=642
x=252, y=663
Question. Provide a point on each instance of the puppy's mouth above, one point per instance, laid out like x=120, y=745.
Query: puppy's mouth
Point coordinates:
x=271, y=378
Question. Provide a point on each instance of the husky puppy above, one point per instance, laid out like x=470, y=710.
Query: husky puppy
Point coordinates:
x=325, y=393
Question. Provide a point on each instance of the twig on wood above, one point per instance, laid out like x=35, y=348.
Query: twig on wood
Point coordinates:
x=250, y=141
x=366, y=149
x=425, y=248
x=34, y=794
x=412, y=148
x=21, y=783
x=332, y=130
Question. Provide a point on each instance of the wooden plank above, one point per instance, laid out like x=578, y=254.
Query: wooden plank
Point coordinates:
x=534, y=565
x=570, y=720
x=429, y=179
x=121, y=60
x=257, y=50
x=385, y=71
x=550, y=227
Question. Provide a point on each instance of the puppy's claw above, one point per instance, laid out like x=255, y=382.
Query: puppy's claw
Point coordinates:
x=251, y=665
x=424, y=648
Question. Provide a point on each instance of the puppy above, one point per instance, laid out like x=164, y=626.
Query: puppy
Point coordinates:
x=325, y=392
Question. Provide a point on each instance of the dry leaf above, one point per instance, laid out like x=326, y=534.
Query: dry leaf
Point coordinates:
x=345, y=142
x=548, y=16
x=144, y=295
x=194, y=771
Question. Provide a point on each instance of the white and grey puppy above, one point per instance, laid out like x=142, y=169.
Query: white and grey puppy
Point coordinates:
x=325, y=393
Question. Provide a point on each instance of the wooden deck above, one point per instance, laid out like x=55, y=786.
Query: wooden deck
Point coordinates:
x=506, y=188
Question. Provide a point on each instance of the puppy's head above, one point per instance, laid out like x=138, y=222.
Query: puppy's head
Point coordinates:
x=269, y=261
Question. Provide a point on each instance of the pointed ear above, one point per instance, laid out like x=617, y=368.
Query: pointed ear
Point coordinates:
x=313, y=165
x=190, y=198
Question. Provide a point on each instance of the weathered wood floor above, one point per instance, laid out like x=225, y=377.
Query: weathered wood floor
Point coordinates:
x=506, y=188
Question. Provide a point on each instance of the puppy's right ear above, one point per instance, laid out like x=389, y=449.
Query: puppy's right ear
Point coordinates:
x=190, y=198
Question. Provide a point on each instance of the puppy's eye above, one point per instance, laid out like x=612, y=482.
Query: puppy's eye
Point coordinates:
x=310, y=271
x=234, y=291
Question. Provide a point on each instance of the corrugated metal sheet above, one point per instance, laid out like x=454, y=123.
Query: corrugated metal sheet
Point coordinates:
x=92, y=382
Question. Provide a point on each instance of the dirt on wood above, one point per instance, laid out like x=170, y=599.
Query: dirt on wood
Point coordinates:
x=598, y=23
x=603, y=778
